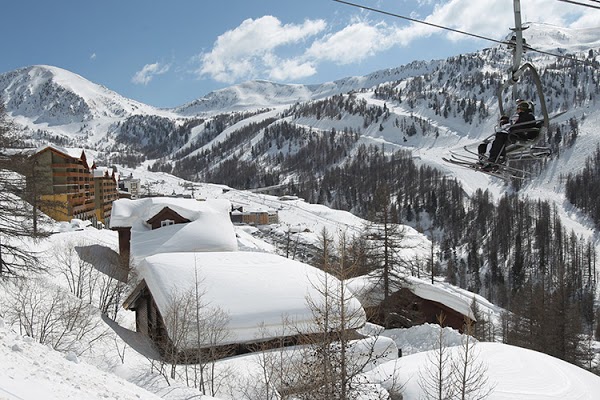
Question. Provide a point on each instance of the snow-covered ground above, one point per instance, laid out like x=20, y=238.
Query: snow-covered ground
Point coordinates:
x=122, y=365
x=34, y=371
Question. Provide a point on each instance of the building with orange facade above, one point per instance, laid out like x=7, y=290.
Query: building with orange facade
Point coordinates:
x=70, y=185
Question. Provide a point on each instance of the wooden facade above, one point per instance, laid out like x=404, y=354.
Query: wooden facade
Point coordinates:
x=166, y=216
x=404, y=309
x=105, y=192
x=147, y=317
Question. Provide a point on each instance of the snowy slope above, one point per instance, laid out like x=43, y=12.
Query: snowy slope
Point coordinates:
x=553, y=38
x=265, y=94
x=34, y=371
x=515, y=373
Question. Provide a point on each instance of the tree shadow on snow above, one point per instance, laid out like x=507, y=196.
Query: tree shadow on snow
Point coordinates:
x=104, y=259
x=137, y=341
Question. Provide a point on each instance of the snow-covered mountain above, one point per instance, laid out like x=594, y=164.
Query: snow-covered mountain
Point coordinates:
x=52, y=104
x=260, y=93
x=551, y=38
x=426, y=107
x=54, y=96
x=66, y=105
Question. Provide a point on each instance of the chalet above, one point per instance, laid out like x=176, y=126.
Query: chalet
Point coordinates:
x=70, y=185
x=165, y=225
x=263, y=294
x=414, y=302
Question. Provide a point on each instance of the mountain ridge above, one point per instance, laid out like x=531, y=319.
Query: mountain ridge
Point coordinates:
x=414, y=105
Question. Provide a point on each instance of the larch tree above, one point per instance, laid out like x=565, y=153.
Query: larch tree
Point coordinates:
x=336, y=354
x=386, y=244
x=469, y=373
x=435, y=378
x=16, y=215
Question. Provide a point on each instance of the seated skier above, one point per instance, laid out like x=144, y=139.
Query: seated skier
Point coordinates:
x=483, y=148
x=519, y=129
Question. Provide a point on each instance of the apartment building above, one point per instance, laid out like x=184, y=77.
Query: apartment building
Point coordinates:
x=69, y=185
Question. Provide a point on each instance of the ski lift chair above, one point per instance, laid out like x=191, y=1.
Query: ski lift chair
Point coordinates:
x=521, y=143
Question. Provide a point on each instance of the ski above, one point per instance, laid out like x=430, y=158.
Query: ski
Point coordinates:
x=471, y=157
x=503, y=172
x=474, y=161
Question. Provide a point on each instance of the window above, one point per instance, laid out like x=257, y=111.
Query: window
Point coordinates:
x=166, y=222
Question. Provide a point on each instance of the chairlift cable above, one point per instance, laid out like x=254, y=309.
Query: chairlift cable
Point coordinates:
x=581, y=4
x=504, y=42
x=518, y=69
x=420, y=21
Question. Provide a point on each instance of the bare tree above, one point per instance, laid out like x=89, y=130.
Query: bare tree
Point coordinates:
x=195, y=334
x=77, y=273
x=469, y=374
x=277, y=367
x=435, y=379
x=455, y=373
x=336, y=355
x=51, y=316
x=16, y=222
x=78, y=268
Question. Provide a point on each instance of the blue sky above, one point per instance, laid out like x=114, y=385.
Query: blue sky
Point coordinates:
x=167, y=53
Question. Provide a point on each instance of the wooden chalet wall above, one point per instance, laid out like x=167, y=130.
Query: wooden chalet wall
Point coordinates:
x=166, y=214
x=404, y=309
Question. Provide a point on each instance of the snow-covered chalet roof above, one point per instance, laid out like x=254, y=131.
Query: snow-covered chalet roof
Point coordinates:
x=370, y=290
x=263, y=294
x=426, y=290
x=210, y=228
x=100, y=172
x=127, y=213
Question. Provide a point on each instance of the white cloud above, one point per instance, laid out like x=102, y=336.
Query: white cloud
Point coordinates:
x=237, y=53
x=93, y=56
x=262, y=48
x=352, y=44
x=146, y=74
x=494, y=18
x=284, y=70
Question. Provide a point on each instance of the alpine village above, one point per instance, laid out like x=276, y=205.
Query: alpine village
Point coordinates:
x=334, y=241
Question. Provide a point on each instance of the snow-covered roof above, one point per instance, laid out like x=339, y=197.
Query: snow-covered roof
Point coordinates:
x=99, y=172
x=68, y=151
x=210, y=228
x=263, y=294
x=370, y=290
x=426, y=290
x=127, y=213
x=209, y=232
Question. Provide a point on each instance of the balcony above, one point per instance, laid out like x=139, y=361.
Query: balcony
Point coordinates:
x=85, y=208
x=81, y=175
